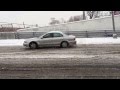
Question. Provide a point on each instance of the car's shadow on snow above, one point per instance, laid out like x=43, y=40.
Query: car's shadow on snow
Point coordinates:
x=50, y=48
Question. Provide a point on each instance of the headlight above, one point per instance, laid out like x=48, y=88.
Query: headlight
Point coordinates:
x=25, y=41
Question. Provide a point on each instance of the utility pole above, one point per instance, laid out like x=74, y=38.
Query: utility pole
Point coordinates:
x=23, y=24
x=84, y=15
x=113, y=23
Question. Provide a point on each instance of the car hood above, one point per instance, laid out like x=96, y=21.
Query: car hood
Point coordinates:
x=72, y=36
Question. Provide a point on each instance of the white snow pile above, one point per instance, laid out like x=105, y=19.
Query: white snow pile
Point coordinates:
x=108, y=40
x=12, y=42
x=19, y=42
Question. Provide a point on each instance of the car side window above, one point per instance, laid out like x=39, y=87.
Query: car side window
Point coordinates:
x=49, y=35
x=57, y=35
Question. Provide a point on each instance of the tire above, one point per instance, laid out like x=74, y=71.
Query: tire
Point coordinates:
x=64, y=44
x=33, y=45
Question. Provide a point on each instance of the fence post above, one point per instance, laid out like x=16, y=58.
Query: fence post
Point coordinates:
x=24, y=24
x=33, y=34
x=17, y=36
x=87, y=34
x=105, y=33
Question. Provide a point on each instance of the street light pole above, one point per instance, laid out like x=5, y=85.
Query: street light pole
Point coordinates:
x=23, y=24
x=113, y=23
x=84, y=15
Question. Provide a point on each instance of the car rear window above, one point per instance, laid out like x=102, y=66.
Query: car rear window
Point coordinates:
x=57, y=35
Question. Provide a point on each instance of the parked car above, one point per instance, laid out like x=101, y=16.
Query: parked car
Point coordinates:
x=52, y=38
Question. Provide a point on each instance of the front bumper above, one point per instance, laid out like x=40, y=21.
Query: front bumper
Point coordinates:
x=26, y=44
x=72, y=43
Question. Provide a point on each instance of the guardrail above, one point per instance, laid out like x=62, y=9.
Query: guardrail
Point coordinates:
x=78, y=34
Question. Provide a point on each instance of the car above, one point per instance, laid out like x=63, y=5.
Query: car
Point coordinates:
x=52, y=38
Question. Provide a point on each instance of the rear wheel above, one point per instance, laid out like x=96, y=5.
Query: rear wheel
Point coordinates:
x=64, y=44
x=33, y=45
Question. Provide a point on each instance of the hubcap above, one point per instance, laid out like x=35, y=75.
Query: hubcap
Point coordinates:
x=33, y=45
x=64, y=44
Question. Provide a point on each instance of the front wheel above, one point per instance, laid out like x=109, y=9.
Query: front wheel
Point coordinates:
x=33, y=45
x=64, y=44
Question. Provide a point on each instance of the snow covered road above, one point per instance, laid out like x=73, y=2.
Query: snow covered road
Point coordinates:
x=93, y=61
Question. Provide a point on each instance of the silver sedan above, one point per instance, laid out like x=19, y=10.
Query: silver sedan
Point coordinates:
x=53, y=38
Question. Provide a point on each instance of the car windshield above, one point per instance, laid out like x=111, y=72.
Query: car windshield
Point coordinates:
x=48, y=35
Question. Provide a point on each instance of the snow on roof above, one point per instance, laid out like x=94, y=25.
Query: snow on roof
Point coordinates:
x=55, y=32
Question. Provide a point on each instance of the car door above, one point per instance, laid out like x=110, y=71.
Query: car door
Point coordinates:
x=57, y=38
x=46, y=40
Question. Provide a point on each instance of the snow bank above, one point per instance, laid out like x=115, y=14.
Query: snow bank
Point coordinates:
x=109, y=40
x=12, y=42
x=19, y=42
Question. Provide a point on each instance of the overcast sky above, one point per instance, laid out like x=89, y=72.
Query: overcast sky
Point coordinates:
x=42, y=18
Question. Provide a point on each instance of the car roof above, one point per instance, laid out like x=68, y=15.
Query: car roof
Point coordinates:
x=55, y=32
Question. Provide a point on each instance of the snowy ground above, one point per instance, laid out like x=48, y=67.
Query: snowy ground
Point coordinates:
x=109, y=40
x=81, y=62
x=12, y=42
x=19, y=42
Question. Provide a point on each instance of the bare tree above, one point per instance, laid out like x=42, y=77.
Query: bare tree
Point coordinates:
x=92, y=14
x=71, y=19
x=115, y=12
x=54, y=21
x=62, y=20
x=75, y=18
